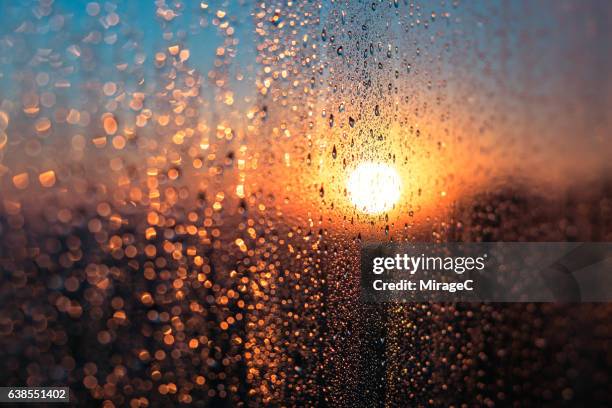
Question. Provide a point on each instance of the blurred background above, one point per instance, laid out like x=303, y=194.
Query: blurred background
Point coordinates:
x=178, y=223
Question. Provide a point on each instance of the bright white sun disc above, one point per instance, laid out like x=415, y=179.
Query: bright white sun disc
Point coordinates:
x=374, y=188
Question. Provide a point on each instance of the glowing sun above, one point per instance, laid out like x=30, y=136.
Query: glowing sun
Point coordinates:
x=374, y=188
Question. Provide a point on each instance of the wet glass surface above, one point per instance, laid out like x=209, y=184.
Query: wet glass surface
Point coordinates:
x=183, y=198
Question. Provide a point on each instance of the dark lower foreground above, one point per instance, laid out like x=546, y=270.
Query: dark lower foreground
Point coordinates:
x=125, y=317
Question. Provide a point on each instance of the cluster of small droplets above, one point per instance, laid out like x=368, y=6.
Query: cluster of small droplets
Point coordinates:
x=175, y=226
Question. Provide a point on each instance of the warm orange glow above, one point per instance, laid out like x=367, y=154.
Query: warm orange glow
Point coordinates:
x=374, y=188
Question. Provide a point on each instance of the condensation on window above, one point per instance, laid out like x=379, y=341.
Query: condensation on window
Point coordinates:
x=185, y=187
